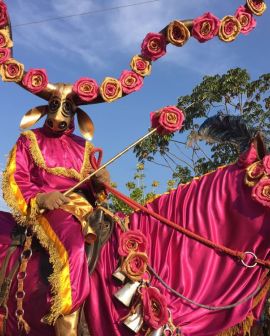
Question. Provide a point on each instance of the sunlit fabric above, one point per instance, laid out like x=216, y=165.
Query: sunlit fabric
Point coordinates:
x=217, y=206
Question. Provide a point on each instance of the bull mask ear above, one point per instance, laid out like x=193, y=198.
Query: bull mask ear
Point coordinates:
x=33, y=116
x=259, y=145
x=86, y=125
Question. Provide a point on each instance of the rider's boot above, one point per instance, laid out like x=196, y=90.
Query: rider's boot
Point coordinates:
x=67, y=325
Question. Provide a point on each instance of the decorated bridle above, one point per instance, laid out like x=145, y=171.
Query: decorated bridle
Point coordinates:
x=64, y=99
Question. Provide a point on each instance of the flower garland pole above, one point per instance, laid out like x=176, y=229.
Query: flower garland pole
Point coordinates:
x=165, y=121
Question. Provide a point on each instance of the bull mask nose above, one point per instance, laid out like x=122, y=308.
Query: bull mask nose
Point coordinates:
x=57, y=126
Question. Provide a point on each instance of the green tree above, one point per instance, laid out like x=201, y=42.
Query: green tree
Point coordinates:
x=233, y=93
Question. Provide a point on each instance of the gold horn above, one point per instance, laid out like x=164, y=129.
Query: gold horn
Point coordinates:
x=135, y=320
x=118, y=275
x=126, y=293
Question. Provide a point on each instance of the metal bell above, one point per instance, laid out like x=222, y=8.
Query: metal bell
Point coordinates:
x=118, y=275
x=135, y=320
x=126, y=293
x=158, y=332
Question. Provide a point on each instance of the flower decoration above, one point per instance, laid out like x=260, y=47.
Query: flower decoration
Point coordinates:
x=12, y=71
x=35, y=80
x=205, y=27
x=130, y=81
x=246, y=19
x=132, y=241
x=153, y=46
x=253, y=173
x=86, y=88
x=177, y=33
x=257, y=7
x=141, y=65
x=5, y=41
x=110, y=89
x=4, y=55
x=266, y=164
x=167, y=120
x=155, y=310
x=134, y=265
x=229, y=28
x=261, y=192
x=3, y=14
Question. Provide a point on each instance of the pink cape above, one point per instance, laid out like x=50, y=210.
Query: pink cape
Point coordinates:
x=217, y=206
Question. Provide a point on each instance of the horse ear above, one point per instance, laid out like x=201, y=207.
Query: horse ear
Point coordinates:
x=32, y=116
x=259, y=145
x=86, y=125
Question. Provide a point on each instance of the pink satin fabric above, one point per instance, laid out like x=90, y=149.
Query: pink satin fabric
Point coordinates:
x=217, y=206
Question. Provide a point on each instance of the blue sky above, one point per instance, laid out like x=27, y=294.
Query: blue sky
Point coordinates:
x=102, y=44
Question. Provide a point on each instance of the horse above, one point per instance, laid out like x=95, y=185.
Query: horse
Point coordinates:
x=213, y=273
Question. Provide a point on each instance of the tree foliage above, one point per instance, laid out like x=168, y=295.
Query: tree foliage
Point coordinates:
x=233, y=93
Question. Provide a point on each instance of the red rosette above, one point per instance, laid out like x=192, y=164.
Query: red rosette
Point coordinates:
x=261, y=192
x=132, y=241
x=3, y=14
x=130, y=81
x=155, y=309
x=266, y=164
x=167, y=120
x=35, y=80
x=153, y=46
x=4, y=55
x=246, y=19
x=86, y=88
x=205, y=27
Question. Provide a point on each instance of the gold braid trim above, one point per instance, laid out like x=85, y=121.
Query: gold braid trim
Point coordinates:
x=11, y=192
x=59, y=171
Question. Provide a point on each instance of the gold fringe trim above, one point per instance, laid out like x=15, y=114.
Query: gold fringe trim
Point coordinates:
x=244, y=327
x=59, y=171
x=58, y=281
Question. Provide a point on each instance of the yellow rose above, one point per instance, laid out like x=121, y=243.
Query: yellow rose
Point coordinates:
x=110, y=89
x=257, y=7
x=5, y=41
x=134, y=265
x=229, y=28
x=140, y=65
x=177, y=33
x=12, y=71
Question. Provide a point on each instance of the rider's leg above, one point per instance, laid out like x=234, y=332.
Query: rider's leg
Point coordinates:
x=67, y=325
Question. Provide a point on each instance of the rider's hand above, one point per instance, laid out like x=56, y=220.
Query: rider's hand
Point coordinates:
x=99, y=178
x=51, y=200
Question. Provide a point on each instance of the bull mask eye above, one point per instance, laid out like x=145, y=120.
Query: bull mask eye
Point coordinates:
x=54, y=105
x=67, y=108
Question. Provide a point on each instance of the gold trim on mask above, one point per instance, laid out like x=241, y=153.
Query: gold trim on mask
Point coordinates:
x=59, y=171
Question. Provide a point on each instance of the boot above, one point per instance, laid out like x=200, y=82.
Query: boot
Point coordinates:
x=67, y=325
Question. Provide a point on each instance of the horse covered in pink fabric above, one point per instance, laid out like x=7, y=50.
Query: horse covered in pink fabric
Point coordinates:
x=207, y=291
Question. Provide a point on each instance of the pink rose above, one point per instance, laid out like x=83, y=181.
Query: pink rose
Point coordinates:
x=3, y=15
x=35, y=80
x=155, y=310
x=246, y=19
x=134, y=265
x=86, y=88
x=4, y=55
x=205, y=27
x=266, y=164
x=153, y=46
x=130, y=81
x=132, y=241
x=261, y=192
x=167, y=120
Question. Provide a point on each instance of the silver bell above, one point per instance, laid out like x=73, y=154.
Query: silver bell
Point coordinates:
x=126, y=293
x=135, y=320
x=118, y=275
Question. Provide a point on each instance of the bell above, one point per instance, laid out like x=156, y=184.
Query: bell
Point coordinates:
x=135, y=320
x=158, y=332
x=118, y=275
x=126, y=293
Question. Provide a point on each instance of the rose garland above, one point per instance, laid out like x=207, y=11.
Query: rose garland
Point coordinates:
x=153, y=47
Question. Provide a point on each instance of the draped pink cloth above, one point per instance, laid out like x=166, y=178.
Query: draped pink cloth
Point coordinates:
x=217, y=206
